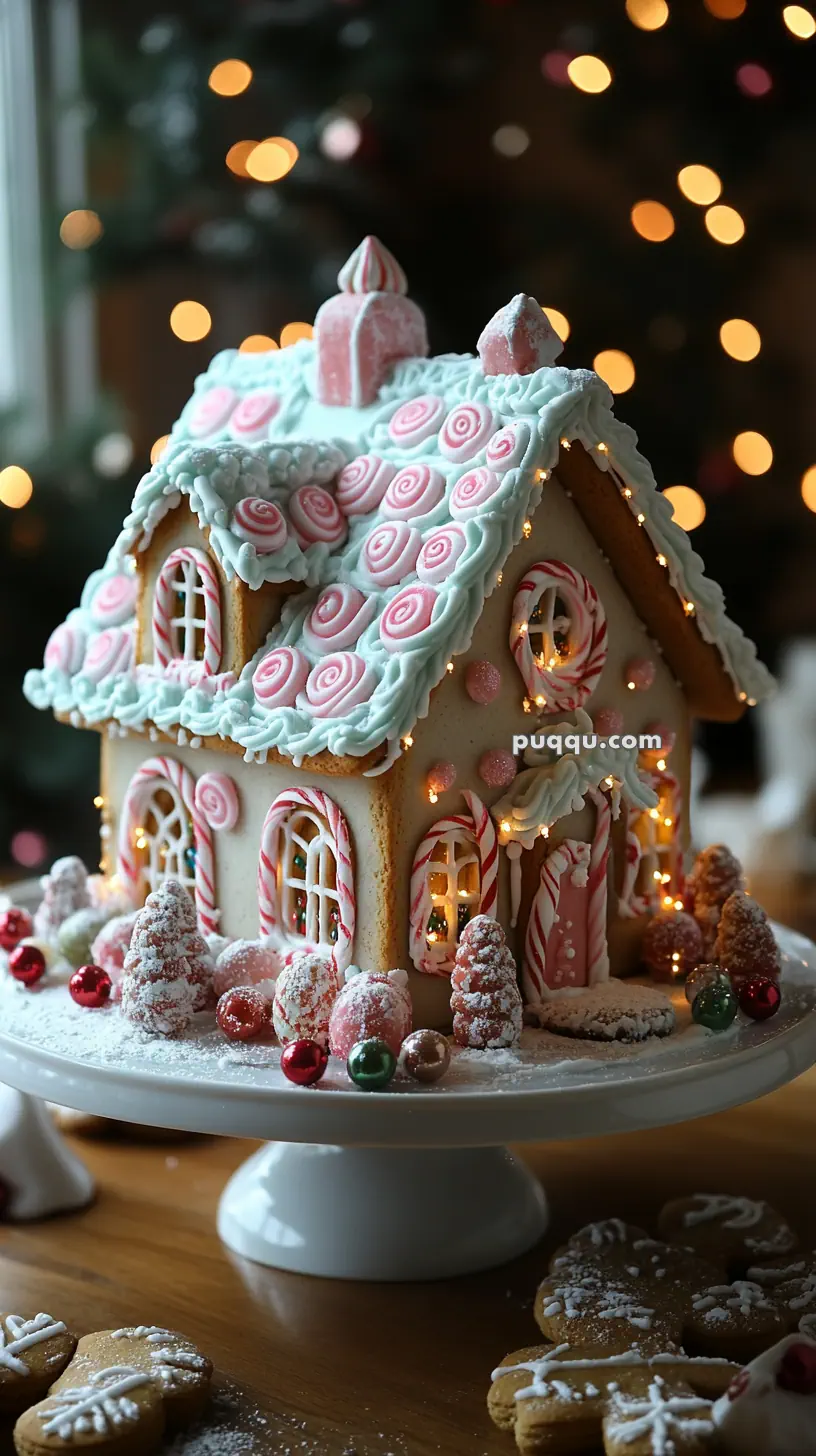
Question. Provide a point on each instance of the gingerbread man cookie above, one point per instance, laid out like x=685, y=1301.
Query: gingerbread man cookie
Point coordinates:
x=731, y=1232
x=33, y=1352
x=122, y=1391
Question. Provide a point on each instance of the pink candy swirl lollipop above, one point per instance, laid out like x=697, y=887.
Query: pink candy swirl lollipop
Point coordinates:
x=467, y=428
x=216, y=799
x=339, y=616
x=279, y=677
x=261, y=523
x=407, y=615
x=506, y=448
x=413, y=492
x=471, y=492
x=362, y=484
x=440, y=552
x=415, y=420
x=65, y=648
x=114, y=600
x=338, y=683
x=390, y=551
x=211, y=410
x=108, y=652
x=316, y=516
x=251, y=417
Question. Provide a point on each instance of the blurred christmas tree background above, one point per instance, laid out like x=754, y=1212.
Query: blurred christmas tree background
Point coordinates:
x=644, y=168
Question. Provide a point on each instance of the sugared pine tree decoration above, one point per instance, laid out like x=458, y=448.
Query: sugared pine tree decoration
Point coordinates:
x=168, y=971
x=485, y=1000
x=65, y=890
x=717, y=873
x=745, y=945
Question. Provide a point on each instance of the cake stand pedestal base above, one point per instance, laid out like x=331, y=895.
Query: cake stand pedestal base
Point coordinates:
x=381, y=1213
x=39, y=1170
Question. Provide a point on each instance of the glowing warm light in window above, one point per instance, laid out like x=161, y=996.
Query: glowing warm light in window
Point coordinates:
x=616, y=369
x=726, y=9
x=16, y=487
x=271, y=159
x=652, y=221
x=589, y=73
x=724, y=223
x=647, y=14
x=752, y=452
x=290, y=333
x=510, y=141
x=799, y=21
x=740, y=339
x=80, y=229
x=560, y=323
x=688, y=506
x=809, y=488
x=236, y=158
x=158, y=447
x=256, y=344
x=699, y=184
x=190, y=321
x=341, y=138
x=230, y=78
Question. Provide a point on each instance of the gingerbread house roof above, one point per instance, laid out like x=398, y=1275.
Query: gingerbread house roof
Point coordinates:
x=397, y=516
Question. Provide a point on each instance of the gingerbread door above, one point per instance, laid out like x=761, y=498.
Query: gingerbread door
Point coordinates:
x=565, y=946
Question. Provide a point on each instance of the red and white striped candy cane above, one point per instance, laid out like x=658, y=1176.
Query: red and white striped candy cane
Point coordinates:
x=565, y=857
x=129, y=865
x=268, y=898
x=194, y=563
x=564, y=686
x=477, y=826
x=597, y=938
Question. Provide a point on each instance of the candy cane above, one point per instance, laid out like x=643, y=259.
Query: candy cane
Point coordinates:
x=164, y=644
x=631, y=905
x=564, y=686
x=570, y=855
x=488, y=847
x=129, y=865
x=268, y=899
x=476, y=825
x=597, y=939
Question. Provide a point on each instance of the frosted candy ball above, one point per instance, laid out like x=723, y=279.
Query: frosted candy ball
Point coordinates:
x=304, y=995
x=482, y=681
x=371, y=1004
x=112, y=945
x=607, y=720
x=243, y=1013
x=245, y=963
x=497, y=768
x=441, y=776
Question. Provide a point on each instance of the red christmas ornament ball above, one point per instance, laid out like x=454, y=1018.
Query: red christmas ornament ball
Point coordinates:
x=27, y=964
x=15, y=925
x=304, y=1062
x=760, y=998
x=243, y=1013
x=90, y=986
x=797, y=1370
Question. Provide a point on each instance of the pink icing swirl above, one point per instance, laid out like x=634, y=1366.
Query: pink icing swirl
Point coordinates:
x=338, y=683
x=114, y=600
x=415, y=420
x=472, y=491
x=316, y=516
x=506, y=448
x=390, y=552
x=65, y=648
x=216, y=799
x=211, y=410
x=440, y=552
x=362, y=484
x=279, y=677
x=261, y=523
x=251, y=417
x=413, y=492
x=406, y=616
x=108, y=653
x=338, y=618
x=467, y=428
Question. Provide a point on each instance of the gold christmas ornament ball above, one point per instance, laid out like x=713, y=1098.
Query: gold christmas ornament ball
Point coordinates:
x=425, y=1055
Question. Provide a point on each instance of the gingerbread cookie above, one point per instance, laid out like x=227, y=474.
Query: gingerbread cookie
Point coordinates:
x=732, y=1232
x=792, y=1285
x=121, y=1392
x=33, y=1352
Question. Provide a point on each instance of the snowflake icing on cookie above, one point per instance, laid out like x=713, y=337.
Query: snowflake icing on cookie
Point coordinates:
x=661, y=1415
x=724, y=1301
x=171, y=1364
x=100, y=1408
x=732, y=1213
x=20, y=1335
x=547, y=1370
x=592, y=1295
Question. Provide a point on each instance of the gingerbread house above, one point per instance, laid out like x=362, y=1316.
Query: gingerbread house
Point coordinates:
x=377, y=643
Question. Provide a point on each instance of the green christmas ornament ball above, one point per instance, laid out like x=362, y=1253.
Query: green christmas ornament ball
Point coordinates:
x=371, y=1064
x=715, y=1007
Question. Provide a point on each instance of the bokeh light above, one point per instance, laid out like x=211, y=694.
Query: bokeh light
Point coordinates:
x=752, y=452
x=341, y=138
x=256, y=344
x=16, y=487
x=230, y=78
x=799, y=21
x=112, y=454
x=740, y=339
x=510, y=141
x=616, y=369
x=754, y=80
x=726, y=9
x=590, y=74
x=237, y=157
x=809, y=488
x=291, y=333
x=724, y=223
x=190, y=321
x=699, y=184
x=688, y=506
x=555, y=67
x=158, y=448
x=560, y=323
x=647, y=14
x=652, y=221
x=81, y=228
x=28, y=848
x=271, y=159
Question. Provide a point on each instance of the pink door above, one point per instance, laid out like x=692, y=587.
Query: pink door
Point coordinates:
x=556, y=951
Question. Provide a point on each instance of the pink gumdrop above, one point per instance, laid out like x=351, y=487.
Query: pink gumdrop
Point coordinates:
x=639, y=673
x=371, y=1004
x=667, y=735
x=608, y=720
x=482, y=681
x=497, y=768
x=112, y=945
x=244, y=1013
x=245, y=963
x=441, y=776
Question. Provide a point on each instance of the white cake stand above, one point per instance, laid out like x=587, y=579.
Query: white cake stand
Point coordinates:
x=413, y=1182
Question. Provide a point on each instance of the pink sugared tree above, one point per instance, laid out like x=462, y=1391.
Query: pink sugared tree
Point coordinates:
x=745, y=944
x=485, y=1000
x=65, y=890
x=168, y=969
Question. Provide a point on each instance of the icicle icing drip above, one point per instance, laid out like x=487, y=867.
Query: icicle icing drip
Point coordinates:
x=372, y=269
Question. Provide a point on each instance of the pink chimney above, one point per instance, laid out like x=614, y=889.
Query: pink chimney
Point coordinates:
x=366, y=328
x=519, y=339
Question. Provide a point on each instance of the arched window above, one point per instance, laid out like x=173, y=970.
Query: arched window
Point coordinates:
x=305, y=876
x=187, y=611
x=558, y=636
x=162, y=835
x=454, y=877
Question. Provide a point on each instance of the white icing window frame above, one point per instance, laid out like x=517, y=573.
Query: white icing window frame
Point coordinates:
x=190, y=573
x=476, y=829
x=277, y=887
x=554, y=685
x=313, y=881
x=164, y=772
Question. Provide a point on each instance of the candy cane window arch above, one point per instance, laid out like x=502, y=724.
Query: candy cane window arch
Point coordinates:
x=163, y=835
x=187, y=611
x=558, y=636
x=305, y=875
x=454, y=877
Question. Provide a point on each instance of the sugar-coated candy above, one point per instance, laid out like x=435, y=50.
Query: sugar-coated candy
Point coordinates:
x=243, y=1013
x=672, y=944
x=77, y=934
x=371, y=1004
x=113, y=943
x=245, y=963
x=304, y=995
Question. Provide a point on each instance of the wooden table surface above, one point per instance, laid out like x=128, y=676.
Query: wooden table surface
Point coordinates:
x=366, y=1370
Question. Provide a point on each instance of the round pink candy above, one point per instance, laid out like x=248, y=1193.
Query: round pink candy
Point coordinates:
x=506, y=448
x=417, y=419
x=390, y=551
x=407, y=615
x=497, y=768
x=441, y=776
x=472, y=491
x=362, y=484
x=316, y=516
x=251, y=417
x=665, y=733
x=467, y=428
x=414, y=491
x=108, y=653
x=370, y=1005
x=112, y=945
x=216, y=799
x=338, y=683
x=211, y=409
x=65, y=648
x=114, y=600
x=245, y=963
x=607, y=720
x=440, y=552
x=482, y=681
x=279, y=677
x=641, y=672
x=338, y=618
x=261, y=523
